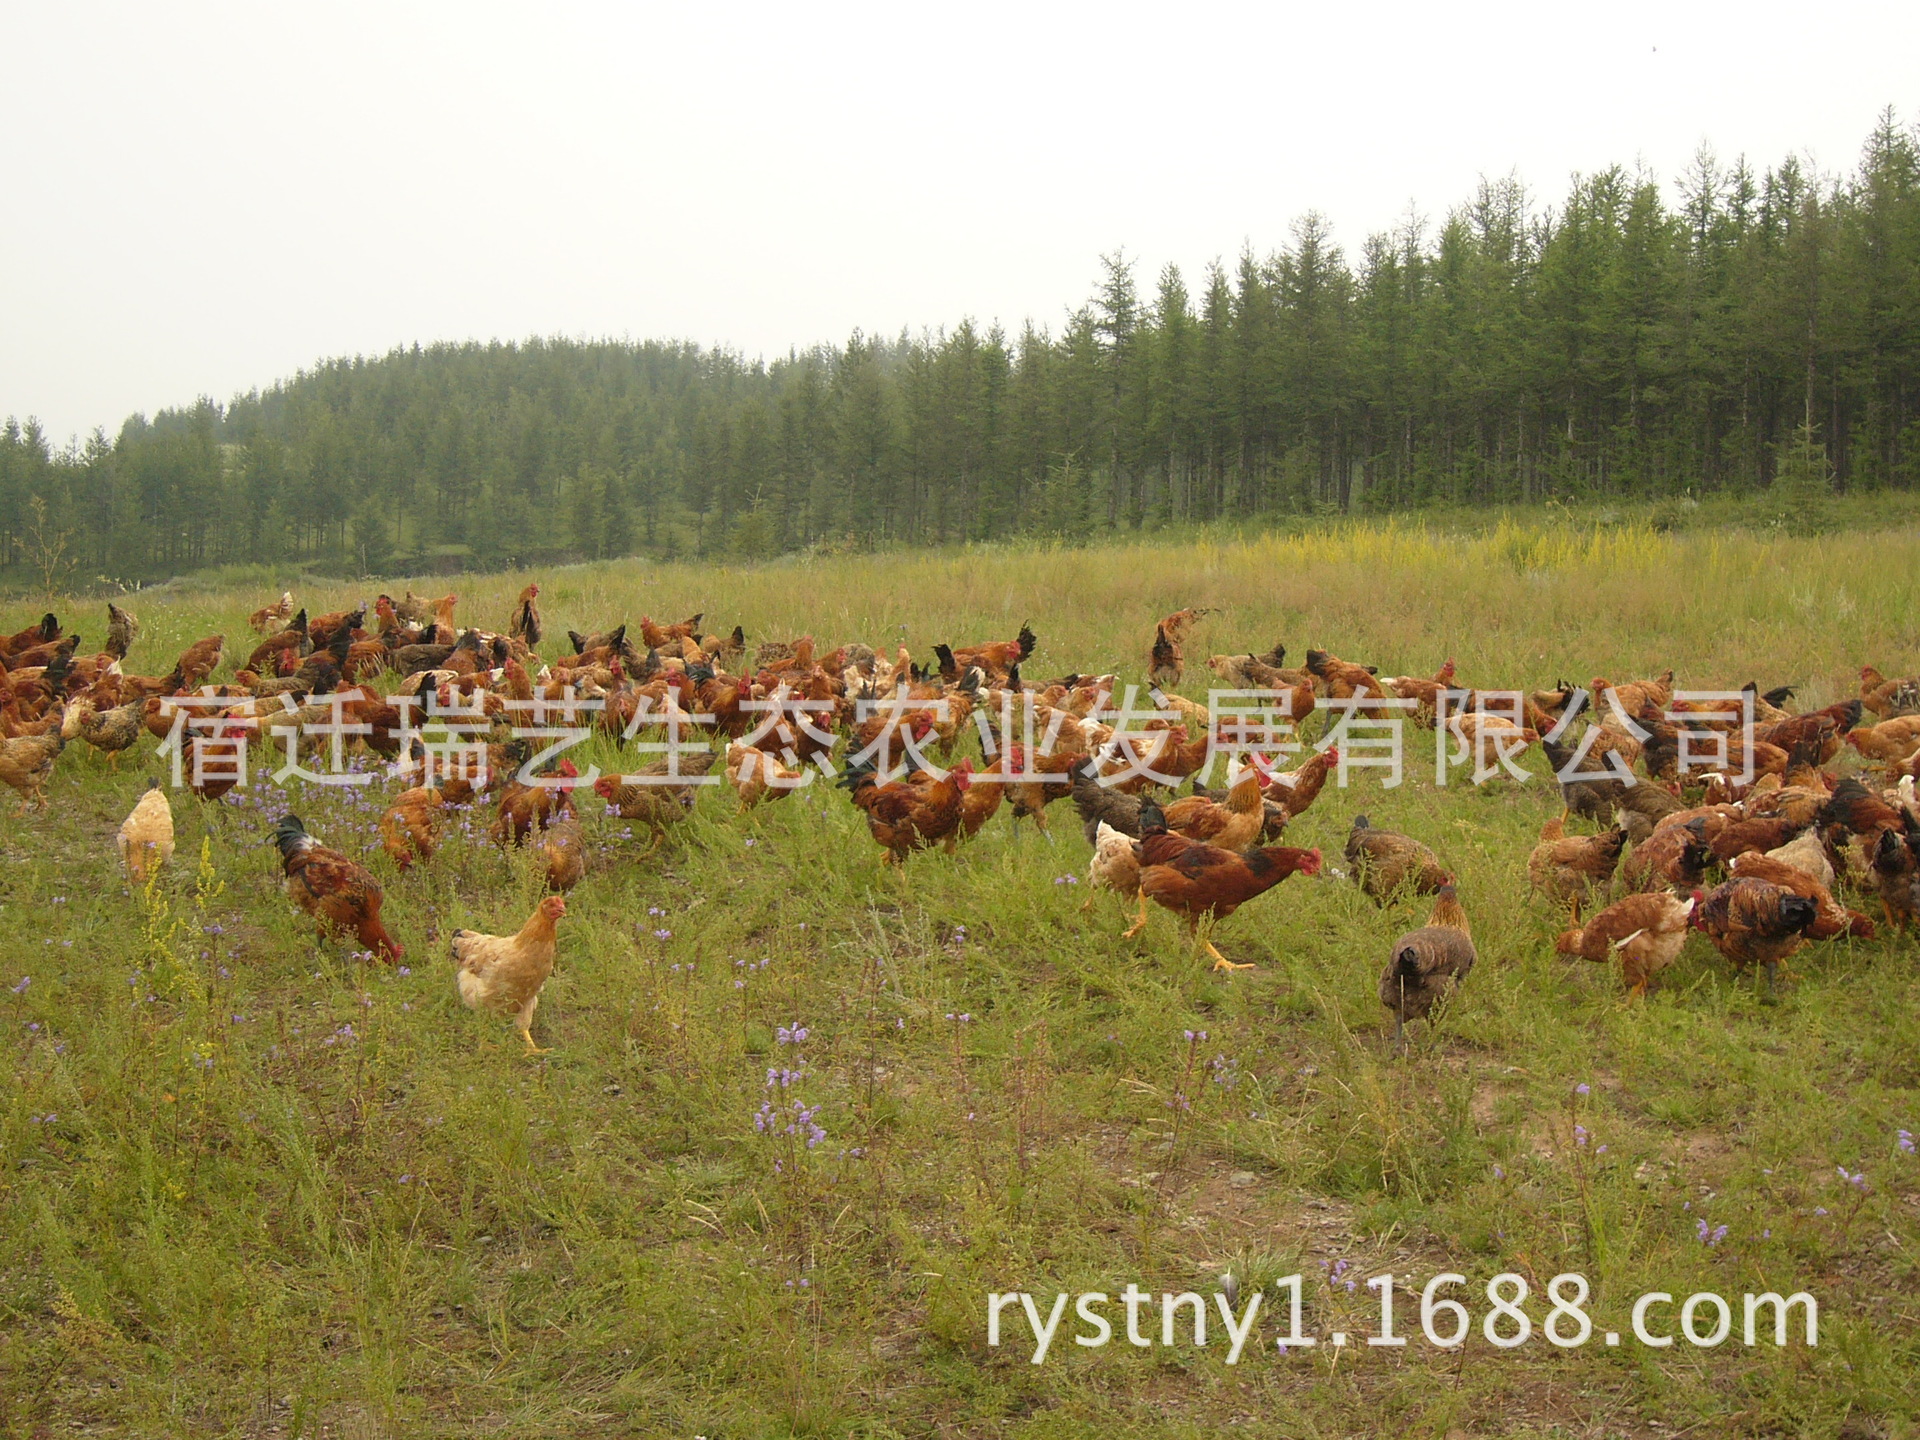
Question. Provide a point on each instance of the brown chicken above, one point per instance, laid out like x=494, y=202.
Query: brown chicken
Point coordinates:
x=663, y=637
x=1384, y=861
x=563, y=853
x=1166, y=664
x=1198, y=881
x=1159, y=754
x=1293, y=690
x=271, y=619
x=1045, y=778
x=1754, y=922
x=524, y=808
x=1638, y=808
x=1713, y=819
x=55, y=655
x=199, y=660
x=1855, y=808
x=1673, y=855
x=444, y=630
x=721, y=695
x=265, y=655
x=1568, y=868
x=1800, y=805
x=999, y=657
x=504, y=973
x=1427, y=965
x=985, y=795
x=1814, y=738
x=412, y=823
x=755, y=776
x=43, y=633
x=1166, y=658
x=1758, y=835
x=1891, y=740
x=1425, y=693
x=337, y=892
x=1647, y=932
x=364, y=660
x=525, y=624
x=724, y=647
x=1289, y=793
x=1299, y=787
x=1233, y=825
x=1888, y=698
x=1342, y=678
x=910, y=814
x=1633, y=697
x=326, y=629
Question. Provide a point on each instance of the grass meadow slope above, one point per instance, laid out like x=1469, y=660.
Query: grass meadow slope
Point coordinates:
x=252, y=1186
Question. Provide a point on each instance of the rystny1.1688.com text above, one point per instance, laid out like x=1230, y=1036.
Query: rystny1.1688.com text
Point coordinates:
x=1443, y=1315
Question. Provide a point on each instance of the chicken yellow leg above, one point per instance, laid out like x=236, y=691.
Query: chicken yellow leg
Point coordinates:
x=1220, y=962
x=523, y=1022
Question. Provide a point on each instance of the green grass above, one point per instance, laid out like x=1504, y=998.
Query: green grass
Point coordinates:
x=245, y=1220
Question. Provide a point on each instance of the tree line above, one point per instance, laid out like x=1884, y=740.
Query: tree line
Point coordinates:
x=1616, y=344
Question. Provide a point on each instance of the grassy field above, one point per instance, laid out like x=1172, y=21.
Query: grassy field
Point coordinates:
x=253, y=1187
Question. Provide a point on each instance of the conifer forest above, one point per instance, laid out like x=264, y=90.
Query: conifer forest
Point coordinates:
x=1637, y=337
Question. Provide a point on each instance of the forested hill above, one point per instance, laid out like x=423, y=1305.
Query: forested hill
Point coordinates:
x=1624, y=341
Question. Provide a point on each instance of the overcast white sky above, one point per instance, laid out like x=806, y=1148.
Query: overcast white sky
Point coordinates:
x=202, y=199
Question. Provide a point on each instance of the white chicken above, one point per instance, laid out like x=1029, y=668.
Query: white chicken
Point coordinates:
x=1115, y=866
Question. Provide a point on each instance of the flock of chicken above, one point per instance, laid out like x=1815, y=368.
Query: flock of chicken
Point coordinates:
x=1788, y=837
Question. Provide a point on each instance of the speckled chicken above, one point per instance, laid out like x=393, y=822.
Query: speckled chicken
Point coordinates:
x=108, y=731
x=1834, y=918
x=1896, y=872
x=654, y=795
x=1384, y=861
x=1754, y=922
x=26, y=763
x=1428, y=964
